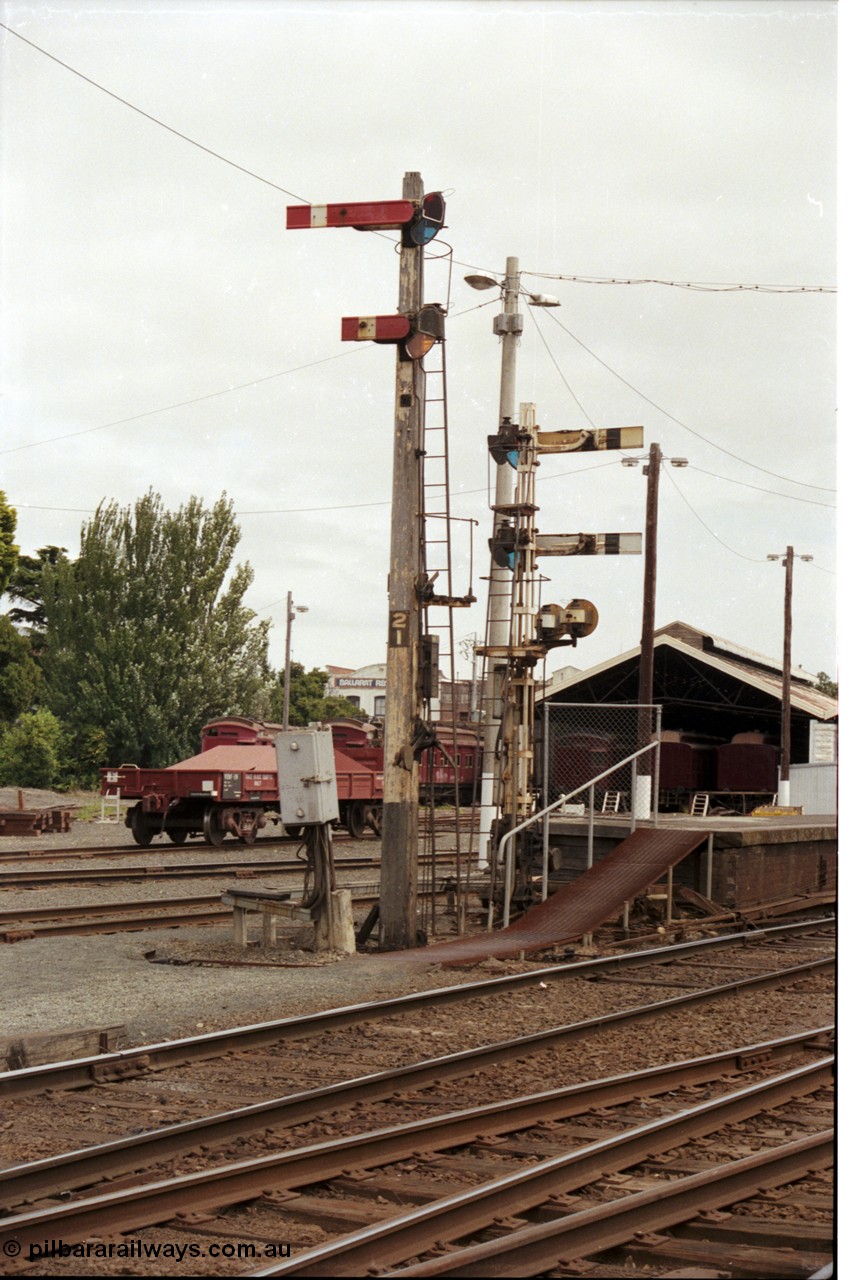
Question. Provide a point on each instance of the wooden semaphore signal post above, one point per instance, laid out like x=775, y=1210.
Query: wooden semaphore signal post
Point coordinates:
x=413, y=329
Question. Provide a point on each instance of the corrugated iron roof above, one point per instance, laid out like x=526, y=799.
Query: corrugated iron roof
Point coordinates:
x=753, y=669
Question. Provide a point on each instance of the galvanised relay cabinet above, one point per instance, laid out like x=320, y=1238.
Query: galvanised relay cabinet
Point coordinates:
x=307, y=781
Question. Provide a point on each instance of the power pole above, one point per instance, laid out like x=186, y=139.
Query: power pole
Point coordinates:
x=646, y=656
x=645, y=697
x=398, y=894
x=291, y=614
x=508, y=327
x=784, y=773
x=286, y=715
x=786, y=676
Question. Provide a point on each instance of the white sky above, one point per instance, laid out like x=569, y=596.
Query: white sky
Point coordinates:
x=687, y=142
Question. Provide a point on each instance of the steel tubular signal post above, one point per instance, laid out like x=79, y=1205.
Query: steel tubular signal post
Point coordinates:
x=509, y=324
x=398, y=896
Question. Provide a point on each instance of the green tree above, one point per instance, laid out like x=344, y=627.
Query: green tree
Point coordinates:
x=31, y=750
x=26, y=585
x=8, y=548
x=146, y=635
x=308, y=701
x=20, y=677
x=825, y=684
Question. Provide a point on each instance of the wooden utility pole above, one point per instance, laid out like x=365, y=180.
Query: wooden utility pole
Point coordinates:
x=398, y=894
x=784, y=772
x=646, y=656
x=786, y=674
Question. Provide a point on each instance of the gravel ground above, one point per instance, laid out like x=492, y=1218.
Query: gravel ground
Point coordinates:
x=77, y=982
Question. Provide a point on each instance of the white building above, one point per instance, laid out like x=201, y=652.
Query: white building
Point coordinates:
x=364, y=687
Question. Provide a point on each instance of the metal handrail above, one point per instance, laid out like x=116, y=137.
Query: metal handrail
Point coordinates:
x=510, y=862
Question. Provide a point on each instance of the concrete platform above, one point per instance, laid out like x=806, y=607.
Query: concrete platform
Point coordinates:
x=743, y=862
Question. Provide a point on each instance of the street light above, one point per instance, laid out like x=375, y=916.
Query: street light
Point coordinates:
x=508, y=326
x=292, y=610
x=784, y=768
x=534, y=299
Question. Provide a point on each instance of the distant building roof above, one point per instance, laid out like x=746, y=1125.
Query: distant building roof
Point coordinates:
x=754, y=669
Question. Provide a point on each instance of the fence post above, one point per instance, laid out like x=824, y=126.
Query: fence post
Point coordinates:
x=545, y=749
x=708, y=868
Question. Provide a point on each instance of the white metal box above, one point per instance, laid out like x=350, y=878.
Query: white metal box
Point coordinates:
x=307, y=781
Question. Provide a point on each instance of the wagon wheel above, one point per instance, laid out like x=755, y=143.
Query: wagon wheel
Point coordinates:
x=178, y=836
x=356, y=819
x=141, y=828
x=214, y=833
x=373, y=816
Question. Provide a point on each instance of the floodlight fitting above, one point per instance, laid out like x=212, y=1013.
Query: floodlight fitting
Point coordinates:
x=301, y=608
x=773, y=557
x=806, y=557
x=679, y=462
x=630, y=462
x=543, y=300
x=482, y=282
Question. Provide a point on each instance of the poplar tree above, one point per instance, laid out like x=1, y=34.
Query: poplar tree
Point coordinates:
x=146, y=634
x=8, y=547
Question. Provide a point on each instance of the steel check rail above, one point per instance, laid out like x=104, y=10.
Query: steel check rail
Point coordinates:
x=530, y=1251
x=82, y=1072
x=379, y=1246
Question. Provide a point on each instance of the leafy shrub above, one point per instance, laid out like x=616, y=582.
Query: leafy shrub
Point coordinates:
x=31, y=750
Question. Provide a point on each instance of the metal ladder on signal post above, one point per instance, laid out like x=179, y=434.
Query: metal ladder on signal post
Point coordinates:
x=438, y=601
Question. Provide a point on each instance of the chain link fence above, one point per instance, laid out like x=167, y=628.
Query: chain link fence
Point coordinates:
x=579, y=741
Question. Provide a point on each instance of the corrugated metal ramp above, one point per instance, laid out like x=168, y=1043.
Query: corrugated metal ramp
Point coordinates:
x=579, y=907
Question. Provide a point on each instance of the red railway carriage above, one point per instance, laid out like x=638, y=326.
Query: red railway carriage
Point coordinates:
x=747, y=766
x=438, y=772
x=582, y=755
x=231, y=786
x=227, y=788
x=685, y=766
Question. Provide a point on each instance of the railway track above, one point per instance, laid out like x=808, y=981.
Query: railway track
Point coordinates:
x=35, y=878
x=443, y=823
x=577, y=1136
x=28, y=923
x=366, y=1170
x=82, y=1072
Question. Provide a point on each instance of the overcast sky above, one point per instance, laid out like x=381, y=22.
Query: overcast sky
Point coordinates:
x=161, y=328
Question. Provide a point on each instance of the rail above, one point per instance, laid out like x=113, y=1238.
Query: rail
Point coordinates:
x=55, y=1176
x=81, y=1072
x=147, y=1203
x=542, y=813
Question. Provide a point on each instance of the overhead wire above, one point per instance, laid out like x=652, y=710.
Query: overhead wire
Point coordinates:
x=568, y=386
x=180, y=404
x=752, y=559
x=537, y=274
x=154, y=119
x=691, y=430
x=699, y=286
x=694, y=285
